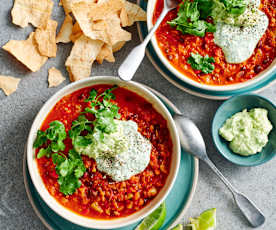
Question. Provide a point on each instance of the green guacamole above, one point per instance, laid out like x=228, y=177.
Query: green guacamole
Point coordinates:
x=247, y=131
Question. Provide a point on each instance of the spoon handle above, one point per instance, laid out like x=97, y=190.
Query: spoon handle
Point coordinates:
x=253, y=214
x=130, y=65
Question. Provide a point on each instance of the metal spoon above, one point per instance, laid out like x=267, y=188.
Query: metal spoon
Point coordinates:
x=193, y=143
x=130, y=65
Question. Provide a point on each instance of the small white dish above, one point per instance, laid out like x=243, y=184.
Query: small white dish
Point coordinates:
x=89, y=222
x=150, y=10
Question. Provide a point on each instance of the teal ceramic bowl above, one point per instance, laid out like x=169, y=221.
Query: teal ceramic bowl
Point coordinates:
x=237, y=104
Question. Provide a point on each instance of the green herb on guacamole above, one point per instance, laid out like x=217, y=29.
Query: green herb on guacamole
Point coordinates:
x=199, y=62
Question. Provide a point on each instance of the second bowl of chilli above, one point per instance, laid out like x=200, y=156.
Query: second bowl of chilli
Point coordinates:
x=174, y=49
x=103, y=153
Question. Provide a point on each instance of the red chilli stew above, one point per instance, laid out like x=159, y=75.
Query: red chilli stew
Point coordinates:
x=177, y=48
x=99, y=196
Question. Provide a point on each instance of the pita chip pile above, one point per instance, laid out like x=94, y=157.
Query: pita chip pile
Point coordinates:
x=95, y=27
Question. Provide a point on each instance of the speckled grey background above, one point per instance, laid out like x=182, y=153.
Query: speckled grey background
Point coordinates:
x=18, y=110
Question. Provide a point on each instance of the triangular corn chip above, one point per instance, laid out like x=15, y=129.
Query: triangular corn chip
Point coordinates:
x=105, y=54
x=46, y=39
x=26, y=52
x=9, y=84
x=82, y=56
x=76, y=32
x=135, y=13
x=65, y=30
x=55, y=77
x=36, y=12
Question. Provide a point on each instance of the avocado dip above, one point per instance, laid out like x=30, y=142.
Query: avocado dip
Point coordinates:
x=247, y=131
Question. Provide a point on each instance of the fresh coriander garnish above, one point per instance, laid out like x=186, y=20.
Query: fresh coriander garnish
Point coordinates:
x=69, y=170
x=235, y=7
x=56, y=134
x=104, y=110
x=188, y=21
x=79, y=125
x=199, y=62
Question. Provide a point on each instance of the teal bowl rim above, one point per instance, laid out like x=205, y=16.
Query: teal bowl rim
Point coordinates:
x=213, y=130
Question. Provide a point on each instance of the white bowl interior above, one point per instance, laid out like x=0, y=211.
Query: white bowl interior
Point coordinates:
x=176, y=72
x=66, y=213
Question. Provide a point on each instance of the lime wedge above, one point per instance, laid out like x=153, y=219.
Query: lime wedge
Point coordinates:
x=190, y=227
x=206, y=220
x=178, y=227
x=155, y=220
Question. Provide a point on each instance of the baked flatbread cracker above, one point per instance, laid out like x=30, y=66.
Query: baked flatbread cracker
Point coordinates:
x=76, y=32
x=105, y=53
x=82, y=56
x=65, y=30
x=134, y=13
x=81, y=12
x=8, y=84
x=36, y=12
x=46, y=39
x=67, y=4
x=55, y=77
x=26, y=52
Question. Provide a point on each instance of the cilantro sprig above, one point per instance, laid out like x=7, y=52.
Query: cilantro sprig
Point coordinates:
x=199, y=62
x=188, y=20
x=235, y=7
x=104, y=110
x=69, y=170
x=56, y=134
x=191, y=15
x=78, y=126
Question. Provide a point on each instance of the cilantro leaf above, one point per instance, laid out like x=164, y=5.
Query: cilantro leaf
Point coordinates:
x=188, y=21
x=199, y=62
x=205, y=8
x=81, y=141
x=92, y=95
x=40, y=139
x=69, y=170
x=44, y=152
x=57, y=159
x=235, y=7
x=79, y=125
x=56, y=134
x=105, y=112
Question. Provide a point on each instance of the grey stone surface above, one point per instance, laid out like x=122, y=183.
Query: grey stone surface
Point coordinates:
x=18, y=110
